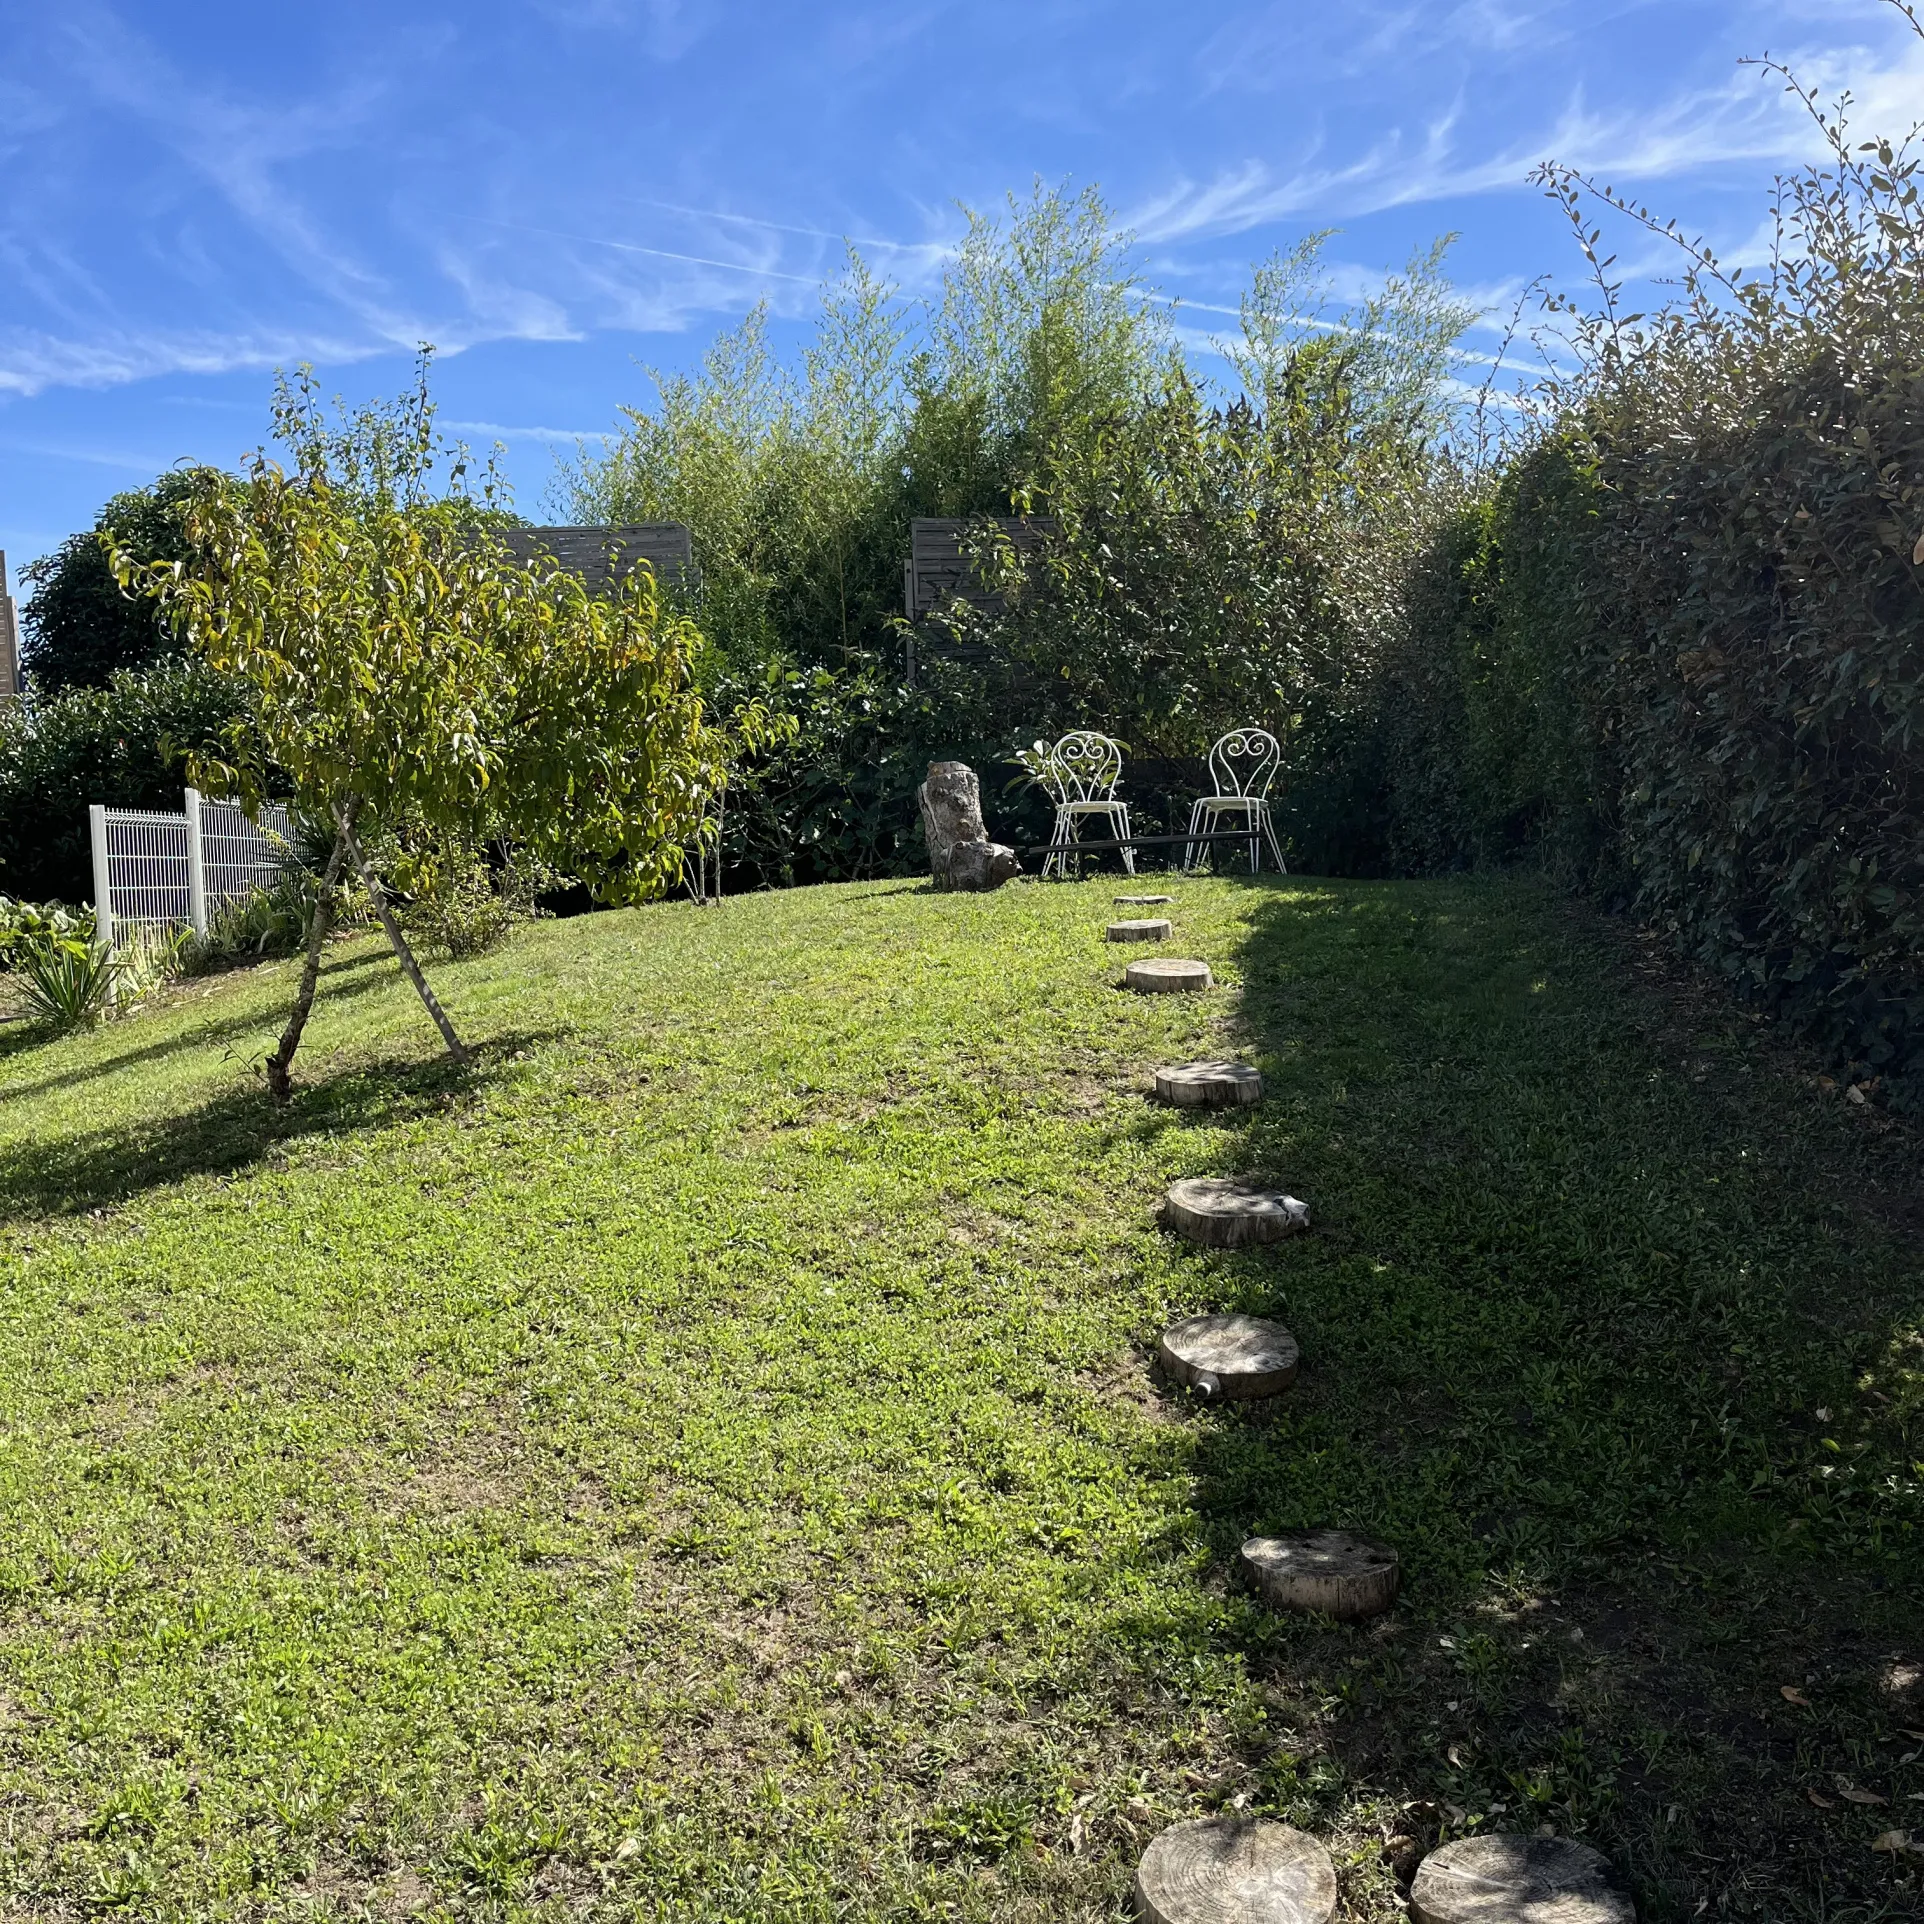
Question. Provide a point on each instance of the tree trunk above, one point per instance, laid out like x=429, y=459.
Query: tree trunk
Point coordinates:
x=402, y=953
x=280, y=1082
x=961, y=856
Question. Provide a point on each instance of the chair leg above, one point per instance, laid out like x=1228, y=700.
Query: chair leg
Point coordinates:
x=1189, y=847
x=1128, y=853
x=1275, y=847
x=1058, y=839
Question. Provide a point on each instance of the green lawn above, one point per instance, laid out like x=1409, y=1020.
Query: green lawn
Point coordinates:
x=703, y=1461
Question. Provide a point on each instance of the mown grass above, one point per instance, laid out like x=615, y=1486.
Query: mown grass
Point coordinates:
x=704, y=1461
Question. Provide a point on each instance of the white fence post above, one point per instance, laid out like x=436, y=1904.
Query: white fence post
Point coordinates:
x=103, y=896
x=196, y=868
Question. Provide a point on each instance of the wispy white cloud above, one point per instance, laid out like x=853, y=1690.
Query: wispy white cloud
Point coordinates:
x=33, y=361
x=499, y=431
x=148, y=465
x=667, y=28
x=1744, y=121
x=1277, y=44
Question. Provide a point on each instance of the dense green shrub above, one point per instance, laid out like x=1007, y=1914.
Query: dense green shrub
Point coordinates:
x=1212, y=566
x=1217, y=560
x=64, y=975
x=837, y=798
x=1488, y=748
x=1680, y=649
x=81, y=630
x=125, y=745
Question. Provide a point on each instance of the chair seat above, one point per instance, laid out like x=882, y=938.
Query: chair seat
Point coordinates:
x=1088, y=808
x=1234, y=804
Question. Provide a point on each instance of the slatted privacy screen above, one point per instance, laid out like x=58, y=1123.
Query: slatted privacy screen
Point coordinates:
x=155, y=870
x=9, y=637
x=940, y=569
x=605, y=556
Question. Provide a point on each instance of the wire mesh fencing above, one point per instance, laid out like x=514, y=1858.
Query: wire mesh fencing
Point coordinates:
x=154, y=870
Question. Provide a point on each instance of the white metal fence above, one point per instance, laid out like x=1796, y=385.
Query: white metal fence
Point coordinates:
x=172, y=871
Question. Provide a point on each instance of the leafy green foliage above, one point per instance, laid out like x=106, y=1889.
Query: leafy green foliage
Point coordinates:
x=269, y=919
x=410, y=679
x=65, y=975
x=463, y=903
x=81, y=629
x=1214, y=566
x=127, y=745
x=1213, y=563
x=1682, y=648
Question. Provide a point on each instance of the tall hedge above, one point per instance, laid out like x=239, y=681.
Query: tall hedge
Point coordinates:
x=1680, y=650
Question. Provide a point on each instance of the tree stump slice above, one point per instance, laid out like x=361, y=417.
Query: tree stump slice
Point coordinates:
x=1225, y=1215
x=1155, y=930
x=1143, y=901
x=1166, y=976
x=1235, y=1870
x=1209, y=1085
x=1328, y=1571
x=1517, y=1880
x=1233, y=1357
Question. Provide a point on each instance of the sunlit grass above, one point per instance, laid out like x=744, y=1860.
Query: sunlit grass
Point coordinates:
x=702, y=1462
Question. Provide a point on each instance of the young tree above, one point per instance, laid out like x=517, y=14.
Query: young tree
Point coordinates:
x=407, y=671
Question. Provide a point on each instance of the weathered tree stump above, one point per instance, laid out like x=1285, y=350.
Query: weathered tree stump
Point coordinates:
x=1235, y=1870
x=1225, y=1214
x=1143, y=901
x=1329, y=1571
x=1209, y=1085
x=1508, y=1880
x=1166, y=976
x=1233, y=1357
x=961, y=856
x=1156, y=930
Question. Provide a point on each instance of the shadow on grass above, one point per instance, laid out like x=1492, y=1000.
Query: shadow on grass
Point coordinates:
x=195, y=1036
x=1572, y=1343
x=100, y=1169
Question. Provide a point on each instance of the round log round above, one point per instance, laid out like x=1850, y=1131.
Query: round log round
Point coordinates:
x=1167, y=976
x=1328, y=1571
x=1225, y=1215
x=1500, y=1879
x=1143, y=901
x=1209, y=1085
x=1233, y=1357
x=1235, y=1870
x=1154, y=930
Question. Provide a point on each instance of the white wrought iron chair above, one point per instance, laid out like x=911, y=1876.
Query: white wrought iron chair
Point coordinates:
x=1242, y=765
x=1080, y=772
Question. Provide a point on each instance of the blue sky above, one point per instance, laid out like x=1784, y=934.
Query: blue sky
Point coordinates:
x=560, y=192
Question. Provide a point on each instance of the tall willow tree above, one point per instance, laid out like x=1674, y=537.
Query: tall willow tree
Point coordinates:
x=406, y=671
